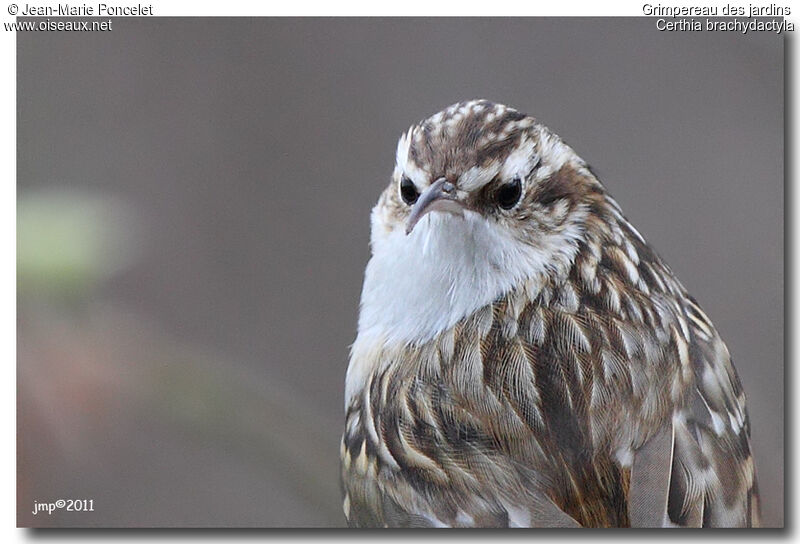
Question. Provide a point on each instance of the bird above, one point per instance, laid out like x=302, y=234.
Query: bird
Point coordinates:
x=523, y=357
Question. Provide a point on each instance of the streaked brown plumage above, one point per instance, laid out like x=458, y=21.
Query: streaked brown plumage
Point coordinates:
x=591, y=391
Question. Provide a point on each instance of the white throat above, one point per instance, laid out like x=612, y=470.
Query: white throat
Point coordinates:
x=419, y=285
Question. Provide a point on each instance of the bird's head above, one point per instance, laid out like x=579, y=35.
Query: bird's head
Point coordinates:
x=480, y=163
x=482, y=197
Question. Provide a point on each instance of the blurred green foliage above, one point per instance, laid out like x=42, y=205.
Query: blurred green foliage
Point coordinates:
x=69, y=241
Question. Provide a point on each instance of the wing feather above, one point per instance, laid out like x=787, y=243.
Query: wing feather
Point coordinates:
x=648, y=494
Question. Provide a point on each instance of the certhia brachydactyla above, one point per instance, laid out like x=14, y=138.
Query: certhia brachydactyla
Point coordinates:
x=523, y=356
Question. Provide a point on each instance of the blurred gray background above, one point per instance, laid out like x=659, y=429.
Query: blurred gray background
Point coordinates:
x=193, y=202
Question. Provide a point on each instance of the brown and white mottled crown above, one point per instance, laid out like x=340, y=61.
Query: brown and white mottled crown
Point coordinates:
x=463, y=136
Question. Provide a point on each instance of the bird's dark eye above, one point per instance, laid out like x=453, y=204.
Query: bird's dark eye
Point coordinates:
x=508, y=195
x=408, y=191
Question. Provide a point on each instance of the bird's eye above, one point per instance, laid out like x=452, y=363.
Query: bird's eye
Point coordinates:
x=508, y=195
x=408, y=191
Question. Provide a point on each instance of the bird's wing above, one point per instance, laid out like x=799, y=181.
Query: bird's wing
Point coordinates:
x=713, y=480
x=698, y=470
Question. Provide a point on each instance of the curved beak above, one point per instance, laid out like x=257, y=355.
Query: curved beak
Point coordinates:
x=440, y=196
